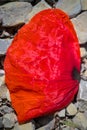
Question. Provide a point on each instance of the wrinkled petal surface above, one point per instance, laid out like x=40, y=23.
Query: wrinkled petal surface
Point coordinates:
x=39, y=65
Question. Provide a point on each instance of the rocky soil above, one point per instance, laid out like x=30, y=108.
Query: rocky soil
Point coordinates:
x=13, y=15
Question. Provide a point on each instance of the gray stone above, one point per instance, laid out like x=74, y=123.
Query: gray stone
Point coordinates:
x=8, y=120
x=39, y=7
x=2, y=80
x=83, y=52
x=85, y=62
x=44, y=128
x=71, y=109
x=16, y=126
x=85, y=113
x=84, y=4
x=81, y=121
x=1, y=124
x=80, y=25
x=82, y=94
x=50, y=125
x=4, y=44
x=8, y=95
x=26, y=126
x=82, y=105
x=67, y=128
x=3, y=90
x=2, y=72
x=71, y=7
x=7, y=123
x=82, y=68
x=61, y=113
x=14, y=13
x=5, y=109
x=76, y=129
x=0, y=99
x=84, y=75
x=14, y=117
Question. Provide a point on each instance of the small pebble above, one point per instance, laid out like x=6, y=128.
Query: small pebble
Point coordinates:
x=8, y=95
x=26, y=126
x=8, y=120
x=81, y=121
x=71, y=110
x=2, y=72
x=5, y=109
x=83, y=52
x=61, y=113
x=2, y=80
